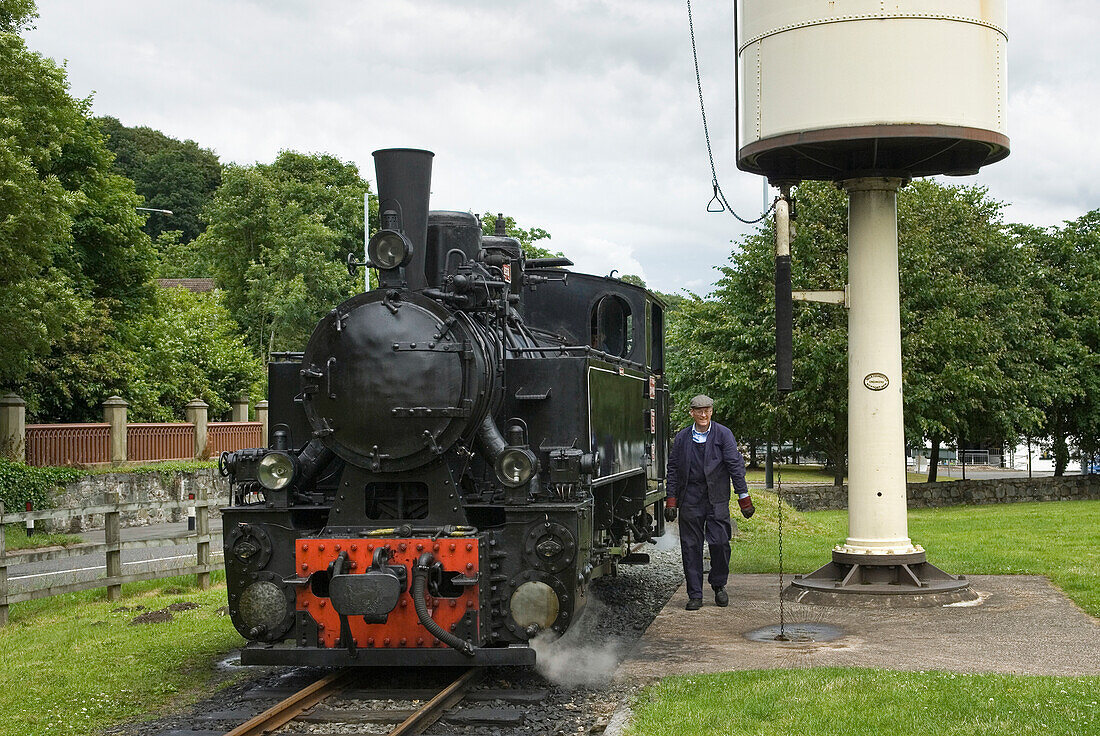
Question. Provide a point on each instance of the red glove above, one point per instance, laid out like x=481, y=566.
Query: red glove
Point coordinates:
x=670, y=509
x=747, y=509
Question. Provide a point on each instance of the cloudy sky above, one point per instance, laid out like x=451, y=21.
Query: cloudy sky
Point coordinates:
x=578, y=116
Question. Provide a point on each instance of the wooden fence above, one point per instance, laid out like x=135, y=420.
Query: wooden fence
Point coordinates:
x=113, y=545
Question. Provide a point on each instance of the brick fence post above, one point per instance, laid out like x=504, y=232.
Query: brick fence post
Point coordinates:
x=114, y=414
x=261, y=417
x=195, y=411
x=240, y=409
x=13, y=428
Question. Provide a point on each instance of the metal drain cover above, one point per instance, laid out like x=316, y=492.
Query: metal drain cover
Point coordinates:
x=796, y=633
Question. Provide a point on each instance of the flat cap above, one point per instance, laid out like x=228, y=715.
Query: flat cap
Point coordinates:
x=702, y=401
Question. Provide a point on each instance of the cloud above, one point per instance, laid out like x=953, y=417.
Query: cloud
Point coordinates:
x=577, y=116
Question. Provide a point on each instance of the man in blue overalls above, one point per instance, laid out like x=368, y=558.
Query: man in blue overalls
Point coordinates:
x=703, y=462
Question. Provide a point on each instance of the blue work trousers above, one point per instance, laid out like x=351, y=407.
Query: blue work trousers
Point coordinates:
x=697, y=526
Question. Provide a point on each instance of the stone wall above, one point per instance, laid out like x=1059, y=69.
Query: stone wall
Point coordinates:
x=958, y=492
x=145, y=487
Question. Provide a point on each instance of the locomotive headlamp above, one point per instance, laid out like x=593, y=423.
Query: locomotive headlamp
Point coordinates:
x=389, y=249
x=275, y=470
x=536, y=603
x=515, y=466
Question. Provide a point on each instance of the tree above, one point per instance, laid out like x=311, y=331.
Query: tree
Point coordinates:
x=17, y=15
x=527, y=238
x=970, y=345
x=192, y=349
x=75, y=259
x=278, y=237
x=170, y=174
x=1066, y=274
x=967, y=326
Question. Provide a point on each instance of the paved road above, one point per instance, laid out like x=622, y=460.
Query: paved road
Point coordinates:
x=24, y=576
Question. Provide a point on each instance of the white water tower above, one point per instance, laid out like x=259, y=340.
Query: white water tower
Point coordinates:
x=868, y=94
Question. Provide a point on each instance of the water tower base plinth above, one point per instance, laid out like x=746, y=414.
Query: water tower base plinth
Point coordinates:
x=879, y=581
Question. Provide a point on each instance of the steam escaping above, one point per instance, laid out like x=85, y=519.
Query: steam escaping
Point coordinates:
x=580, y=657
x=670, y=540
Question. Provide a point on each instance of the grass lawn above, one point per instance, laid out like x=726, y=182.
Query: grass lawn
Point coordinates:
x=865, y=702
x=1058, y=539
x=73, y=665
x=15, y=537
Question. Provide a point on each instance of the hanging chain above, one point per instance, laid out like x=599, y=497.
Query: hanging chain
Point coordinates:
x=779, y=499
x=719, y=197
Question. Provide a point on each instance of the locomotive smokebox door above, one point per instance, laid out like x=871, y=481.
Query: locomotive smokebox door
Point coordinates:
x=390, y=383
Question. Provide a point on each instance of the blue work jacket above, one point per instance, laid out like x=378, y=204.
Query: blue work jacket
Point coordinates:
x=722, y=464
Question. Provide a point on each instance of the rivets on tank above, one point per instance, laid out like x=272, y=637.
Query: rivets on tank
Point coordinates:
x=337, y=548
x=354, y=547
x=469, y=566
x=420, y=641
x=305, y=547
x=404, y=603
x=454, y=603
x=403, y=641
x=402, y=546
x=320, y=548
x=386, y=642
x=305, y=566
x=470, y=546
x=435, y=548
x=370, y=641
x=452, y=546
x=419, y=548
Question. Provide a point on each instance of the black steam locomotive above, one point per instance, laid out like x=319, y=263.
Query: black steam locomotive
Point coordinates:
x=456, y=455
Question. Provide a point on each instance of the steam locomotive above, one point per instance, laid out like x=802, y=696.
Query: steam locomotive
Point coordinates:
x=454, y=457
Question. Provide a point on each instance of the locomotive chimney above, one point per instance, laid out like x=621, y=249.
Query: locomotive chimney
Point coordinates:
x=404, y=179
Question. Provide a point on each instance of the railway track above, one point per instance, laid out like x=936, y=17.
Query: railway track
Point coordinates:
x=348, y=699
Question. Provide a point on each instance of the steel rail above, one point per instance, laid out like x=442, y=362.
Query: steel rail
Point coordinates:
x=434, y=708
x=279, y=715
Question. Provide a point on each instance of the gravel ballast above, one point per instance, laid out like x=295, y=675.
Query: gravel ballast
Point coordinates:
x=575, y=672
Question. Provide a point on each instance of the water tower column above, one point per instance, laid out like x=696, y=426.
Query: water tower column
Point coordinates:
x=876, y=437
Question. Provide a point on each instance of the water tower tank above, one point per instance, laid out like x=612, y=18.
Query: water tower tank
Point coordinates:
x=834, y=89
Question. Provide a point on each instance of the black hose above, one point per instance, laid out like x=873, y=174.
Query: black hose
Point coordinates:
x=419, y=587
x=784, y=322
x=490, y=440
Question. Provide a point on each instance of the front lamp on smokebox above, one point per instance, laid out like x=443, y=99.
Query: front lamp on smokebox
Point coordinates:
x=534, y=606
x=275, y=470
x=389, y=249
x=515, y=466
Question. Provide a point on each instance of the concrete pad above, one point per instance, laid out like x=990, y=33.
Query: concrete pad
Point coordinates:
x=1020, y=625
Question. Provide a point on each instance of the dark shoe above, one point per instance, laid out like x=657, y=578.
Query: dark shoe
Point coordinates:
x=694, y=604
x=721, y=597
